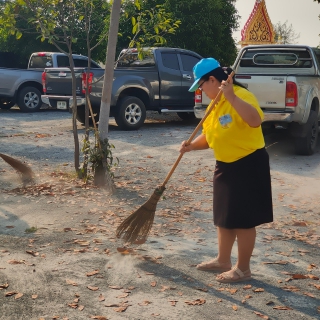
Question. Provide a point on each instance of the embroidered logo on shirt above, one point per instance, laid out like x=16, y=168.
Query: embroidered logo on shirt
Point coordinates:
x=225, y=120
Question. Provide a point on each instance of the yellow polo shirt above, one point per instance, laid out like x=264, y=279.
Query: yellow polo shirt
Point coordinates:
x=227, y=134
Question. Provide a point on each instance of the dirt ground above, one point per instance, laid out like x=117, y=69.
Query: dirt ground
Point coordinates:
x=58, y=250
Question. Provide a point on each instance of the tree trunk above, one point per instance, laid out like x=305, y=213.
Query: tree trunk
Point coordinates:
x=109, y=70
x=74, y=114
x=108, y=81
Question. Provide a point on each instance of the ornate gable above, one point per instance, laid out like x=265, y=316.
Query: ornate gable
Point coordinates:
x=258, y=28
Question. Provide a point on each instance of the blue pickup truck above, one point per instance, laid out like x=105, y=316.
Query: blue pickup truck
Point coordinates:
x=158, y=80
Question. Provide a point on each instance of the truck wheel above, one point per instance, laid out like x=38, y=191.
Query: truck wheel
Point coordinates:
x=81, y=116
x=6, y=104
x=29, y=99
x=130, y=114
x=186, y=115
x=306, y=145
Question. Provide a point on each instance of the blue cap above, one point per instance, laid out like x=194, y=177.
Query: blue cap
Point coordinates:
x=201, y=68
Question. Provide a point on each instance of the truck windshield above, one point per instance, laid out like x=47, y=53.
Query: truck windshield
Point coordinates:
x=131, y=59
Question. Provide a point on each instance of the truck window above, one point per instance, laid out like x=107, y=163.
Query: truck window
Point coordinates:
x=130, y=59
x=62, y=61
x=170, y=60
x=40, y=61
x=317, y=54
x=188, y=62
x=276, y=58
x=83, y=63
x=78, y=63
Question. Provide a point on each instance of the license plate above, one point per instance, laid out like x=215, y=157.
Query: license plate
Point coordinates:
x=62, y=105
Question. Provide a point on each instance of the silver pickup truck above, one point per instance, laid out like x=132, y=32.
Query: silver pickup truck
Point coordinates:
x=286, y=82
x=24, y=86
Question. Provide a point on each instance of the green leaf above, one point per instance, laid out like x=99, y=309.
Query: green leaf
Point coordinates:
x=137, y=4
x=18, y=35
x=135, y=28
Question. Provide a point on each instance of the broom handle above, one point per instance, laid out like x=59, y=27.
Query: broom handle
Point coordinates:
x=210, y=108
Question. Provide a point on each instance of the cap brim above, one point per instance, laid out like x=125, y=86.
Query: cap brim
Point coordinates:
x=194, y=86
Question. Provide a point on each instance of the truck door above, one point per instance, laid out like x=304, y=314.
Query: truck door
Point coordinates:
x=187, y=64
x=170, y=79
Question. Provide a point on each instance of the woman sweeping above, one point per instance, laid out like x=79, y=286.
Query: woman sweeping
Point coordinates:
x=242, y=196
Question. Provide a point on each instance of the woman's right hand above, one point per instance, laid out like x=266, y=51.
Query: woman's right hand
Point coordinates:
x=185, y=147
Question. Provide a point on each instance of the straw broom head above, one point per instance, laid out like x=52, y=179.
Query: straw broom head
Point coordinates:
x=136, y=227
x=26, y=172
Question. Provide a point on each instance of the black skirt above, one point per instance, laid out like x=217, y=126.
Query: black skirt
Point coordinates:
x=242, y=192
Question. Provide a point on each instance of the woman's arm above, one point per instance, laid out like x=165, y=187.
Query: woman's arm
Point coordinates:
x=199, y=143
x=246, y=111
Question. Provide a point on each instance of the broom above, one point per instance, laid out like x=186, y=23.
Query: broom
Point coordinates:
x=136, y=227
x=27, y=174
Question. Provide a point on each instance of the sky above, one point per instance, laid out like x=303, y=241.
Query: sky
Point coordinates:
x=302, y=14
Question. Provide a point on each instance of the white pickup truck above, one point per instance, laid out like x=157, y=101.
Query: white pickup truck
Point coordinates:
x=286, y=81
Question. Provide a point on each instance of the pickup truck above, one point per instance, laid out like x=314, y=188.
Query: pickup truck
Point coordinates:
x=286, y=81
x=24, y=86
x=157, y=81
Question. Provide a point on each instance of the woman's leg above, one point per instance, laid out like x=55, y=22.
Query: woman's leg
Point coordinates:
x=246, y=240
x=222, y=262
x=226, y=238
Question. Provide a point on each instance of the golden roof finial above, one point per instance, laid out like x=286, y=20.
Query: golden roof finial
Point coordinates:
x=258, y=28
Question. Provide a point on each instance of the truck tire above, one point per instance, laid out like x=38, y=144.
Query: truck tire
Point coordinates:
x=130, y=114
x=186, y=115
x=306, y=145
x=29, y=99
x=81, y=116
x=6, y=104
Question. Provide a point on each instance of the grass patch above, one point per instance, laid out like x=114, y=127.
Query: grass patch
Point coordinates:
x=31, y=230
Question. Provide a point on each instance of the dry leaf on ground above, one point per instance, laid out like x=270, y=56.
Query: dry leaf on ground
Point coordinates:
x=196, y=302
x=144, y=303
x=18, y=295
x=299, y=276
x=261, y=315
x=125, y=250
x=121, y=309
x=92, y=273
x=282, y=308
x=73, y=283
x=93, y=288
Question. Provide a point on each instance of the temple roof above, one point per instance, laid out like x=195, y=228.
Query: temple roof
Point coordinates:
x=258, y=28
